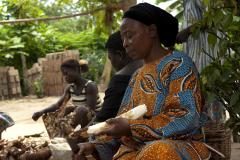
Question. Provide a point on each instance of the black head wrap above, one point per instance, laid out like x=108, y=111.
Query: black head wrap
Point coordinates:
x=167, y=25
x=115, y=42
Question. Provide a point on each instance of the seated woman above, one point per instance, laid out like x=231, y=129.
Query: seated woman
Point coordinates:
x=59, y=118
x=124, y=67
x=5, y=122
x=168, y=84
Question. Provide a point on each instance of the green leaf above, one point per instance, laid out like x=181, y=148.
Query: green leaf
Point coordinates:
x=234, y=27
x=216, y=74
x=212, y=39
x=210, y=97
x=16, y=46
x=174, y=5
x=218, y=17
x=160, y=1
x=179, y=15
x=235, y=97
x=8, y=56
x=21, y=52
x=223, y=46
x=236, y=18
x=226, y=72
x=3, y=42
x=206, y=2
x=196, y=31
x=204, y=79
x=16, y=40
x=236, y=107
x=227, y=20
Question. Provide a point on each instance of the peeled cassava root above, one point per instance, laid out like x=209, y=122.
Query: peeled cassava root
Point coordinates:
x=132, y=114
x=43, y=154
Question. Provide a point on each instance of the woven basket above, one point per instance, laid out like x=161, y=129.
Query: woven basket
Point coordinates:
x=218, y=137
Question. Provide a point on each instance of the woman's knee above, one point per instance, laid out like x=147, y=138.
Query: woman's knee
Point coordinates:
x=201, y=149
x=158, y=151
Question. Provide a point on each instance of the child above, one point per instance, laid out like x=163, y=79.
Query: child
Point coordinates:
x=60, y=119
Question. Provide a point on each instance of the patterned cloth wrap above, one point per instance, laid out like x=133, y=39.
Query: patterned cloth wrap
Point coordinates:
x=5, y=121
x=171, y=129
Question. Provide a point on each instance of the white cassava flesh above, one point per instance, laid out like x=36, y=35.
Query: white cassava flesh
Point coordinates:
x=60, y=149
x=134, y=113
x=78, y=128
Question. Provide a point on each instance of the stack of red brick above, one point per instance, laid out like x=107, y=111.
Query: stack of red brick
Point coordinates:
x=48, y=71
x=9, y=83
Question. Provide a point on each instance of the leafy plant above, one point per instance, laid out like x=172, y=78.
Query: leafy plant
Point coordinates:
x=221, y=79
x=91, y=46
x=85, y=33
x=38, y=87
x=9, y=46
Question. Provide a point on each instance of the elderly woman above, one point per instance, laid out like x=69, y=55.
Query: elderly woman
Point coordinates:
x=168, y=84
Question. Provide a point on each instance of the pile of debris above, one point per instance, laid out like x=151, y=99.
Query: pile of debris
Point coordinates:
x=24, y=149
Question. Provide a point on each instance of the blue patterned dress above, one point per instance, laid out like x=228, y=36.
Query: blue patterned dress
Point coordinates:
x=171, y=129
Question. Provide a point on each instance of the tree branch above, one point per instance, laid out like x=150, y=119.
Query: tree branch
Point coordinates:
x=213, y=33
x=51, y=18
x=208, y=54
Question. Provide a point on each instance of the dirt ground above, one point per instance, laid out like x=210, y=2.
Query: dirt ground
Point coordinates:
x=21, y=111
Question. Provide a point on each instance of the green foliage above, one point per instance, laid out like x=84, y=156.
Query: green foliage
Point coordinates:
x=9, y=45
x=38, y=87
x=178, y=47
x=22, y=8
x=29, y=39
x=32, y=41
x=221, y=79
x=96, y=65
x=160, y=1
x=175, y=5
x=85, y=33
x=105, y=20
x=91, y=46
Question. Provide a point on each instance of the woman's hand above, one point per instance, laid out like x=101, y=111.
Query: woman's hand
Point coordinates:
x=68, y=110
x=118, y=127
x=36, y=115
x=85, y=150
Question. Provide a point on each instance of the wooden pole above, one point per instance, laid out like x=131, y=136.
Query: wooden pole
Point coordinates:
x=24, y=70
x=105, y=78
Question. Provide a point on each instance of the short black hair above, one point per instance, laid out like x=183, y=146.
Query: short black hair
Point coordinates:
x=71, y=64
x=115, y=43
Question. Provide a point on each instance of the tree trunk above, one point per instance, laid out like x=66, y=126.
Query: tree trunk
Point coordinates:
x=105, y=78
x=24, y=71
x=126, y=4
